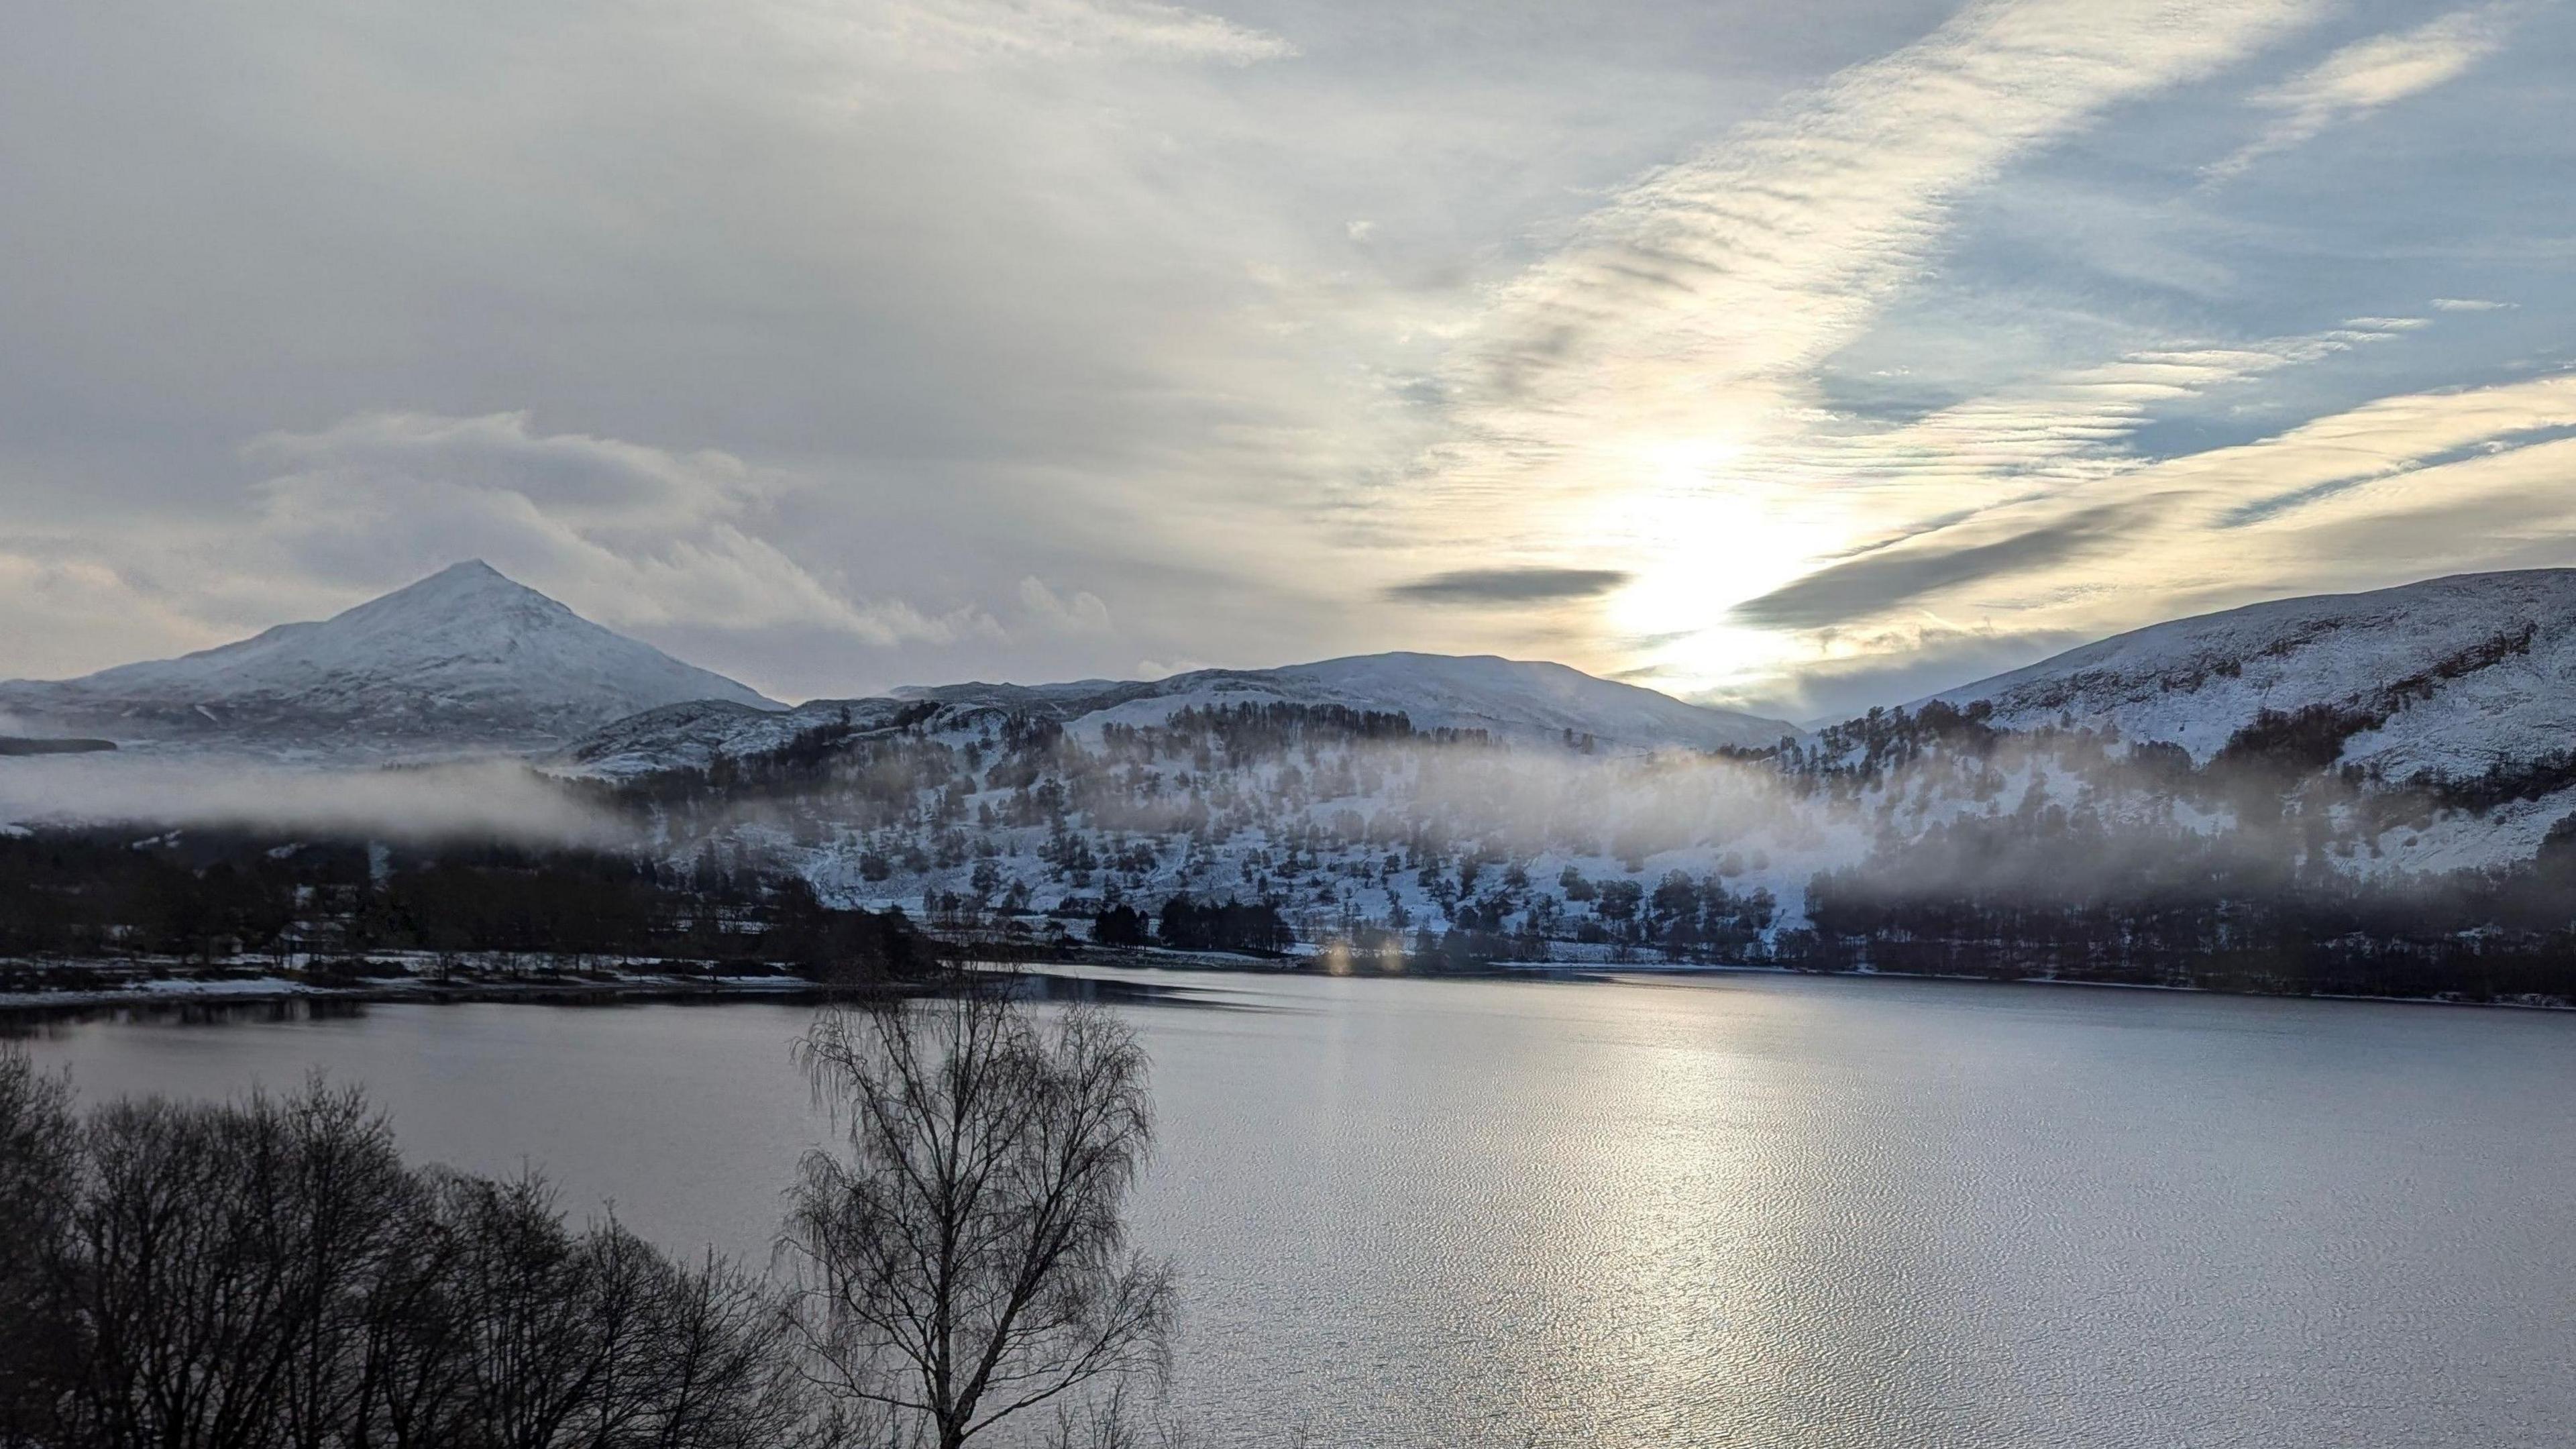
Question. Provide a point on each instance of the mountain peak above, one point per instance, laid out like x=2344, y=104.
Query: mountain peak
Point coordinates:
x=473, y=572
x=465, y=657
x=470, y=579
x=462, y=581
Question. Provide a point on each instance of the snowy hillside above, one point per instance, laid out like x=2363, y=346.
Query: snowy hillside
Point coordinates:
x=1508, y=700
x=695, y=735
x=2438, y=680
x=1028, y=797
x=995, y=803
x=1512, y=700
x=463, y=659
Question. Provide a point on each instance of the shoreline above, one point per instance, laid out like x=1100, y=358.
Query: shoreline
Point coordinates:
x=1602, y=971
x=162, y=995
x=19, y=1007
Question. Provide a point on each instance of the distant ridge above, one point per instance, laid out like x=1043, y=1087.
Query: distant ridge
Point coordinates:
x=1509, y=698
x=466, y=658
x=1511, y=701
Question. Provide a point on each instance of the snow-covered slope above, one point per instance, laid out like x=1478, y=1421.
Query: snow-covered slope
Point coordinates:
x=463, y=659
x=693, y=736
x=2459, y=674
x=1511, y=699
x=1516, y=702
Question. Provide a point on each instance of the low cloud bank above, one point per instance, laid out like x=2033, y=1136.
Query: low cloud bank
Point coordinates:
x=469, y=799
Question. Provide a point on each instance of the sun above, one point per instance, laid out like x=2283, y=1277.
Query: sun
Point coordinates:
x=1696, y=541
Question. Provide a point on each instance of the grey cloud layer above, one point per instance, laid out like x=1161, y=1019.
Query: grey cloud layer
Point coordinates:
x=1870, y=586
x=1510, y=585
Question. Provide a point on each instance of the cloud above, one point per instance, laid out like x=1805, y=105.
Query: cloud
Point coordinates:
x=467, y=799
x=2504, y=516
x=2469, y=304
x=1083, y=613
x=632, y=534
x=1868, y=586
x=1875, y=513
x=2063, y=429
x=1652, y=389
x=799, y=337
x=67, y=612
x=1893, y=664
x=2401, y=488
x=2365, y=76
x=1510, y=585
x=968, y=275
x=1695, y=303
x=2274, y=479
x=958, y=31
x=639, y=538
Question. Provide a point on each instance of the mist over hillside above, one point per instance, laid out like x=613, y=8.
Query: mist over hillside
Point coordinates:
x=2381, y=769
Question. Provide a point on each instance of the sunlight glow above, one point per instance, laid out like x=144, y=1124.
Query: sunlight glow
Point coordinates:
x=1703, y=542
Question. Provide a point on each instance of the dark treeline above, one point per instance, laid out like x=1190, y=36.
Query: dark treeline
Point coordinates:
x=1244, y=733
x=1683, y=917
x=21, y=745
x=1254, y=928
x=90, y=893
x=212, y=895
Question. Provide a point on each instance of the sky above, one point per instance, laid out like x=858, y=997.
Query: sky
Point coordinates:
x=1795, y=358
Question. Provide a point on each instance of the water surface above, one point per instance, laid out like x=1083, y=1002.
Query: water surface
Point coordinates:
x=1734, y=1211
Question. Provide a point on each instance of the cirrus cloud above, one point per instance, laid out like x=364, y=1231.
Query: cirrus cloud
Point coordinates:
x=2366, y=76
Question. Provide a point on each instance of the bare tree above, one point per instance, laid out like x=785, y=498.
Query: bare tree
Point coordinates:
x=726, y=1374
x=596, y=1339
x=965, y=1257
x=39, y=1152
x=269, y=1275
x=217, y=1251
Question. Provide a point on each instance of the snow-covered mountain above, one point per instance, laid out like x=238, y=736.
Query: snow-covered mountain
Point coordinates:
x=464, y=659
x=2438, y=680
x=1509, y=700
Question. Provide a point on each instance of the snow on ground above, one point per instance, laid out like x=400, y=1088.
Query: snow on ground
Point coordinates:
x=1510, y=699
x=2464, y=840
x=2484, y=667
